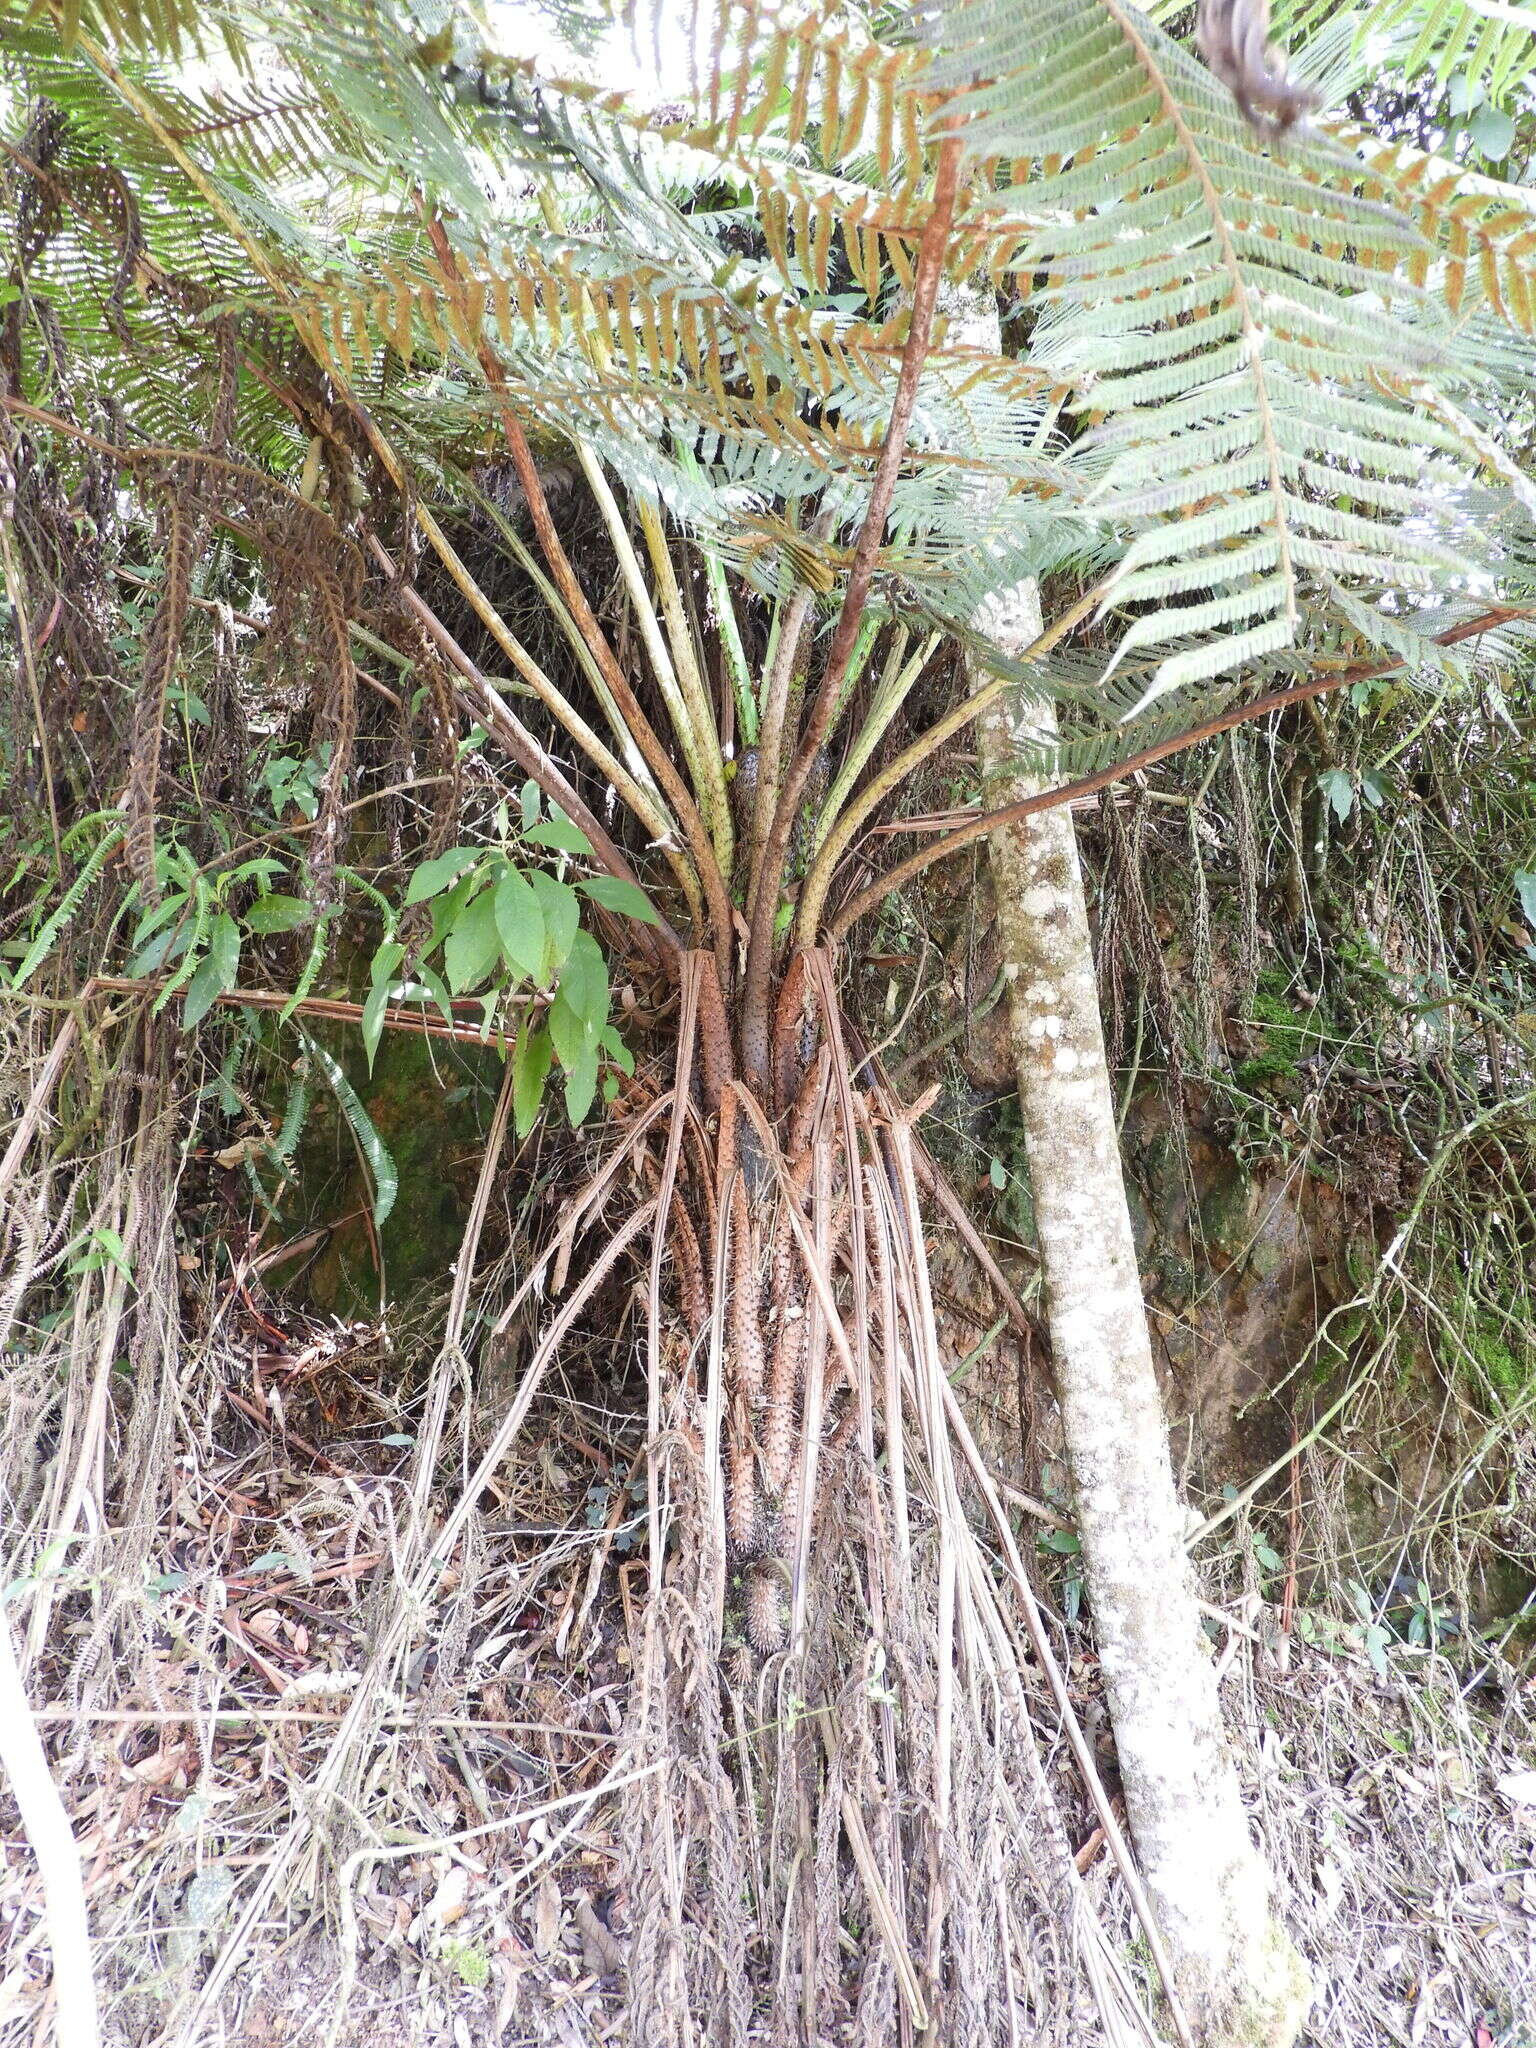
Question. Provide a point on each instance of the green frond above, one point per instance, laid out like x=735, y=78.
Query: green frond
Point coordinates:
x=1214, y=310
x=1486, y=40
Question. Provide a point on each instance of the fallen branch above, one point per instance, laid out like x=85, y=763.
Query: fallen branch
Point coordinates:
x=332, y=1008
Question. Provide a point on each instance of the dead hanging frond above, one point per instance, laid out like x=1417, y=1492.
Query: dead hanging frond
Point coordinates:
x=335, y=709
x=37, y=215
x=221, y=423
x=121, y=208
x=181, y=532
x=403, y=629
x=1142, y=963
x=227, y=774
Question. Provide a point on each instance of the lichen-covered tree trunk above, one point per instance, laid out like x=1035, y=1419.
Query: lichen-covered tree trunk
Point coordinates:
x=1238, y=1975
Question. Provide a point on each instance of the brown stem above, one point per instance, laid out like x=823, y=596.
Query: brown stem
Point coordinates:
x=1067, y=792
x=770, y=738
x=813, y=894
x=656, y=756
x=488, y=710
x=788, y=1016
x=925, y=293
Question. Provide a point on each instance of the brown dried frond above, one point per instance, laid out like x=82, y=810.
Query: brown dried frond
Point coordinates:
x=1233, y=38
x=221, y=425
x=37, y=195
x=786, y=1257
x=229, y=746
x=692, y=1292
x=1246, y=836
x=725, y=1144
x=802, y=1115
x=747, y=1350
x=122, y=204
x=403, y=629
x=1141, y=949
x=443, y=725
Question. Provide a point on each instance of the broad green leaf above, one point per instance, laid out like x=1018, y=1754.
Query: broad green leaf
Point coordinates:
x=277, y=913
x=107, y=1249
x=562, y=918
x=568, y=1029
x=614, y=893
x=531, y=802
x=203, y=991
x=1339, y=790
x=434, y=987
x=434, y=875
x=584, y=984
x=561, y=834
x=216, y=971
x=581, y=1086
x=1525, y=885
x=520, y=922
x=473, y=947
x=167, y=908
x=385, y=961
x=1376, y=1641
x=260, y=870
x=197, y=935
x=448, y=907
x=151, y=958
x=274, y=1561
x=1493, y=131
x=530, y=1070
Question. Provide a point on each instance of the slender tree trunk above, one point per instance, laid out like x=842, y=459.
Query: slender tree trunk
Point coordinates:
x=1239, y=1976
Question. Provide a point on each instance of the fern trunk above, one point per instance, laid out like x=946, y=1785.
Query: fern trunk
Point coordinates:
x=1239, y=1977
